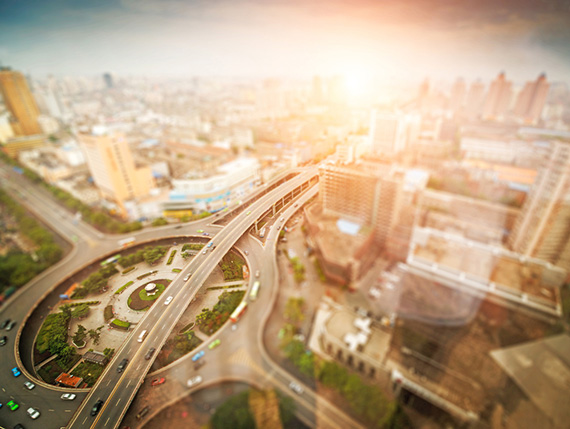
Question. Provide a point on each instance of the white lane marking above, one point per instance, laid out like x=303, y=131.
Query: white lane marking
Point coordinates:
x=128, y=383
x=109, y=382
x=84, y=421
x=51, y=410
x=119, y=401
x=67, y=411
x=139, y=367
x=108, y=418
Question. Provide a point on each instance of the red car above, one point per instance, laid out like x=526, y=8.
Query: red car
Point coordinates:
x=157, y=381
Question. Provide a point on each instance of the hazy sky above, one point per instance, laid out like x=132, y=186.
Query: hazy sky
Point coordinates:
x=406, y=39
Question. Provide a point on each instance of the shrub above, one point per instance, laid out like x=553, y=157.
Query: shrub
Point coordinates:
x=53, y=333
x=121, y=324
x=108, y=313
x=128, y=270
x=122, y=288
x=171, y=257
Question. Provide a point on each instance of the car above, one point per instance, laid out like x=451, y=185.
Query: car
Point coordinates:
x=12, y=405
x=68, y=396
x=282, y=219
x=194, y=381
x=199, y=365
x=210, y=244
x=16, y=371
x=214, y=344
x=157, y=381
x=33, y=413
x=5, y=323
x=29, y=385
x=122, y=365
x=246, y=252
x=178, y=227
x=197, y=356
x=149, y=353
x=11, y=325
x=296, y=388
x=19, y=426
x=256, y=273
x=186, y=277
x=204, y=252
x=248, y=213
x=200, y=231
x=296, y=205
x=205, y=234
x=96, y=407
x=168, y=300
x=143, y=412
x=234, y=327
x=3, y=340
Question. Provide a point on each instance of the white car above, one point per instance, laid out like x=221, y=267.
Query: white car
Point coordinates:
x=186, y=278
x=68, y=396
x=33, y=413
x=168, y=300
x=257, y=273
x=204, y=252
x=29, y=385
x=194, y=381
x=296, y=388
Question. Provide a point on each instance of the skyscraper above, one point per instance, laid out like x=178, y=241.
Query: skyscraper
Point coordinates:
x=498, y=98
x=531, y=100
x=458, y=92
x=543, y=227
x=475, y=99
x=387, y=133
x=108, y=80
x=113, y=168
x=20, y=103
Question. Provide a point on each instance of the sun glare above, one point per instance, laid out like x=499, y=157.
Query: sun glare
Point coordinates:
x=356, y=82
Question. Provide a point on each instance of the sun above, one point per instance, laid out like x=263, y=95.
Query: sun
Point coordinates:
x=357, y=82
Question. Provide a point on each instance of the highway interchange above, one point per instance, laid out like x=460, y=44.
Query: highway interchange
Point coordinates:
x=119, y=389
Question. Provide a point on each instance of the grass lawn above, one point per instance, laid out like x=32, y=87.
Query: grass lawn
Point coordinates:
x=122, y=288
x=90, y=372
x=139, y=300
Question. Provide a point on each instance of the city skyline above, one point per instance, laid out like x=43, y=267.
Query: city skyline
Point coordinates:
x=365, y=41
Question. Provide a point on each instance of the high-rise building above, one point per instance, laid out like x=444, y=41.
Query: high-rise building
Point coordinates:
x=367, y=193
x=543, y=227
x=108, y=80
x=458, y=93
x=387, y=133
x=531, y=100
x=498, y=98
x=475, y=99
x=19, y=102
x=113, y=169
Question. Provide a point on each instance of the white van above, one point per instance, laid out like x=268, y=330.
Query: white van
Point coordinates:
x=142, y=335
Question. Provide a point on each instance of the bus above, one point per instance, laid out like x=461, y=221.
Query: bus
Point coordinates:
x=238, y=312
x=126, y=242
x=254, y=290
x=262, y=232
x=111, y=260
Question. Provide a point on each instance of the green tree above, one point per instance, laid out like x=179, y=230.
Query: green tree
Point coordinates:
x=80, y=334
x=95, y=335
x=234, y=414
x=159, y=221
x=80, y=311
x=294, y=310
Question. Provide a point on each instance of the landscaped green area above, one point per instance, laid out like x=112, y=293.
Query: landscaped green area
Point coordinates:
x=209, y=321
x=53, y=333
x=149, y=254
x=176, y=270
x=171, y=257
x=139, y=300
x=108, y=313
x=95, y=283
x=122, y=288
x=298, y=269
x=236, y=411
x=120, y=324
x=178, y=346
x=145, y=297
x=192, y=246
x=160, y=221
x=89, y=372
x=128, y=270
x=319, y=270
x=232, y=266
x=50, y=371
x=17, y=267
